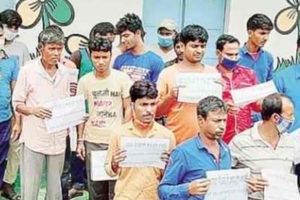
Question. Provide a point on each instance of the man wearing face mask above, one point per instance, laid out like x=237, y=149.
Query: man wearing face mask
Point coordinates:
x=234, y=77
x=12, y=22
x=265, y=145
x=166, y=33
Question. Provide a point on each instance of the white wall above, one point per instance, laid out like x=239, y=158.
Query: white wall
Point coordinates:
x=90, y=12
x=283, y=46
x=87, y=14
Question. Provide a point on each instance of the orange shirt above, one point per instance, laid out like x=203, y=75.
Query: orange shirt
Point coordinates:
x=181, y=117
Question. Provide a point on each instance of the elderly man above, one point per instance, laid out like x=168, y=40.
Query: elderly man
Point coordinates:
x=42, y=81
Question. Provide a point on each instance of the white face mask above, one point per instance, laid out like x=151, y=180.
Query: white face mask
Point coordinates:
x=9, y=35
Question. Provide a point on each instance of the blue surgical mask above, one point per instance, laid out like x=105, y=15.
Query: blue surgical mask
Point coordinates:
x=283, y=125
x=165, y=41
x=228, y=63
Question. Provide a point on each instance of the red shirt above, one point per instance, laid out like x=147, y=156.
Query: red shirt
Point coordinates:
x=242, y=77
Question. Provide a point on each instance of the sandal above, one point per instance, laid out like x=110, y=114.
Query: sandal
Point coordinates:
x=11, y=196
x=75, y=193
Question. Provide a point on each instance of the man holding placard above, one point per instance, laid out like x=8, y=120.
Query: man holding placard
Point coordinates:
x=265, y=146
x=42, y=81
x=234, y=77
x=181, y=116
x=106, y=91
x=139, y=150
x=185, y=175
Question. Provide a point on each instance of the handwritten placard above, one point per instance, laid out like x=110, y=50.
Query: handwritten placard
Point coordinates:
x=228, y=184
x=144, y=152
x=251, y=94
x=195, y=86
x=66, y=113
x=281, y=185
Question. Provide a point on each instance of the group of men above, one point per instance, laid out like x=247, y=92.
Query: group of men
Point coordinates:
x=125, y=89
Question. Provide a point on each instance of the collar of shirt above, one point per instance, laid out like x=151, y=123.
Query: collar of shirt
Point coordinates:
x=223, y=149
x=42, y=72
x=237, y=69
x=256, y=136
x=136, y=132
x=254, y=132
x=244, y=50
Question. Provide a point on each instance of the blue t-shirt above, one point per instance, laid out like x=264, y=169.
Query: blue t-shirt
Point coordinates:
x=190, y=161
x=287, y=82
x=262, y=65
x=140, y=67
x=9, y=70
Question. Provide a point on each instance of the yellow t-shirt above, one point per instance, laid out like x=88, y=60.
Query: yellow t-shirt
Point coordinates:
x=139, y=183
x=105, y=103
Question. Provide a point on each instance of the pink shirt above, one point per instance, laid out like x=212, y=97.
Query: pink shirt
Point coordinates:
x=35, y=88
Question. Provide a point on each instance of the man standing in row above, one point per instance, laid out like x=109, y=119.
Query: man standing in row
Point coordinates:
x=11, y=23
x=139, y=183
x=42, y=81
x=185, y=175
x=234, y=76
x=266, y=145
x=166, y=33
x=138, y=62
x=182, y=117
x=106, y=91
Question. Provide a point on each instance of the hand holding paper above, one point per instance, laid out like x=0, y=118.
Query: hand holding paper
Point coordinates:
x=118, y=156
x=41, y=112
x=198, y=187
x=165, y=156
x=256, y=184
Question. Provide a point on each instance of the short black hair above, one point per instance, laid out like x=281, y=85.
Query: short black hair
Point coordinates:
x=11, y=18
x=103, y=28
x=100, y=44
x=176, y=39
x=210, y=104
x=259, y=21
x=192, y=33
x=224, y=39
x=131, y=22
x=1, y=25
x=272, y=104
x=143, y=88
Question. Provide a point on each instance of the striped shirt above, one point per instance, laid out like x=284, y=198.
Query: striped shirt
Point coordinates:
x=248, y=149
